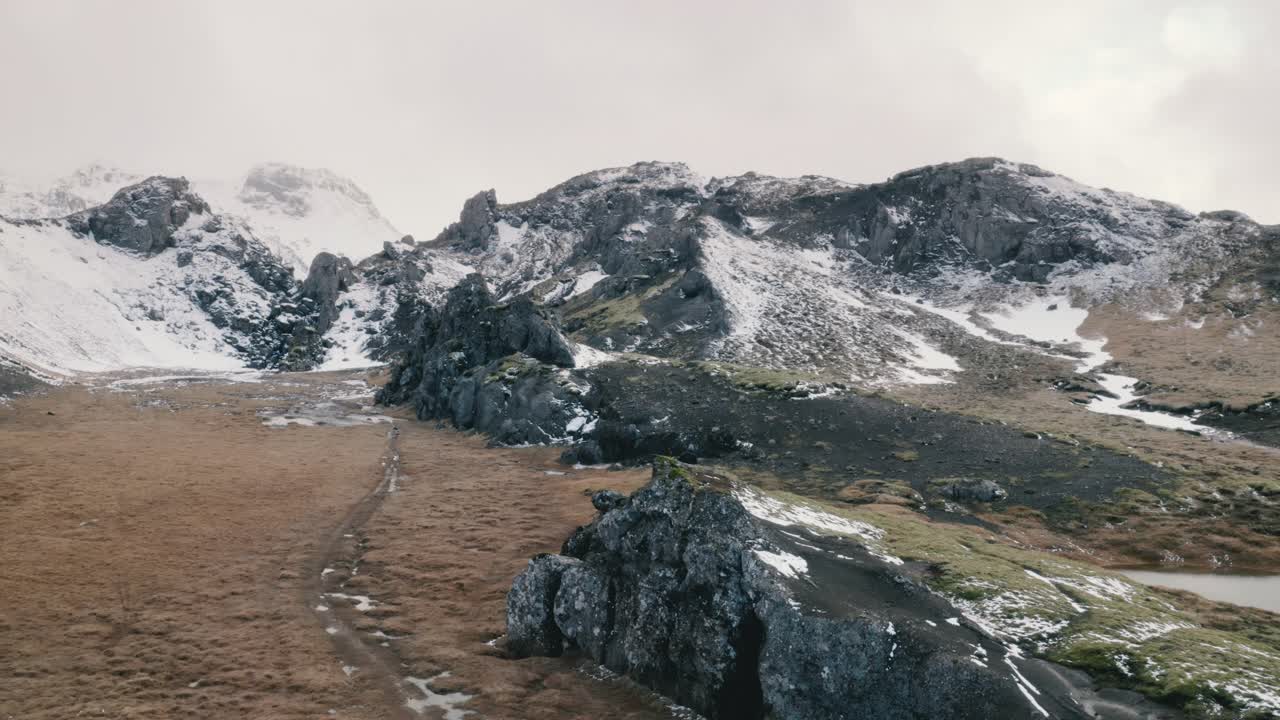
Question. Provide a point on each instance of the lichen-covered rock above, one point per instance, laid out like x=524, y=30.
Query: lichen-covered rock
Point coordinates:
x=578, y=613
x=531, y=623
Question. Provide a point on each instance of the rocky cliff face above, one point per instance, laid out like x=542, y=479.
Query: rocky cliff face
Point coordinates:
x=688, y=588
x=490, y=366
x=791, y=274
x=329, y=277
x=983, y=212
x=142, y=218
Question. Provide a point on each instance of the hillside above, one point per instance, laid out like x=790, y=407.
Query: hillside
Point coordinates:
x=975, y=389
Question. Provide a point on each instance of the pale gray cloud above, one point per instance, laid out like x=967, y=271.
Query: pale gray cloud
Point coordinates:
x=425, y=104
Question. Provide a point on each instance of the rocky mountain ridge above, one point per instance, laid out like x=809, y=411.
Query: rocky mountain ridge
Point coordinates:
x=803, y=275
x=775, y=326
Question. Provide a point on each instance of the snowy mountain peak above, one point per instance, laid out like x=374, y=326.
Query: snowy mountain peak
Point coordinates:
x=301, y=212
x=94, y=177
x=292, y=190
x=79, y=190
x=670, y=177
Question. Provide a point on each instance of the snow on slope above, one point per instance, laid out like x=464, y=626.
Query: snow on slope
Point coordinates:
x=73, y=305
x=803, y=310
x=58, y=197
x=299, y=212
x=370, y=304
x=296, y=212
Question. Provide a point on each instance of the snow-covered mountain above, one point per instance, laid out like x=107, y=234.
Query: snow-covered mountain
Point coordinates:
x=152, y=278
x=864, y=284
x=25, y=198
x=296, y=212
x=819, y=276
x=300, y=212
x=156, y=276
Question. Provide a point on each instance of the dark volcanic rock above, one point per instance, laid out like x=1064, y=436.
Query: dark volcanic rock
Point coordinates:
x=676, y=589
x=985, y=212
x=475, y=227
x=329, y=276
x=488, y=366
x=972, y=489
x=16, y=378
x=143, y=217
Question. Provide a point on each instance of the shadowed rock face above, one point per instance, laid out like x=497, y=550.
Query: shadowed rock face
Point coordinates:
x=142, y=218
x=984, y=212
x=739, y=614
x=671, y=588
x=487, y=366
x=330, y=276
x=475, y=228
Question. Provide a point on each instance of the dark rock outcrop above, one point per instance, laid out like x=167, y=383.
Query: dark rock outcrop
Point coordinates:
x=141, y=218
x=488, y=366
x=329, y=277
x=677, y=588
x=475, y=228
x=971, y=490
x=1014, y=219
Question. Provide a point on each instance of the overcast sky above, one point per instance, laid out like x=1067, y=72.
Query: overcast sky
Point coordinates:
x=424, y=105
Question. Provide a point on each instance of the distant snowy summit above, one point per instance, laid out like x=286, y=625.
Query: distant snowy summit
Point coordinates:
x=301, y=212
x=91, y=185
x=296, y=212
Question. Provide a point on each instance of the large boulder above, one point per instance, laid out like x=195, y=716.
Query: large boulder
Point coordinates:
x=330, y=276
x=142, y=218
x=686, y=591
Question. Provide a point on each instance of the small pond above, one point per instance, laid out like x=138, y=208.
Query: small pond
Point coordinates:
x=1260, y=591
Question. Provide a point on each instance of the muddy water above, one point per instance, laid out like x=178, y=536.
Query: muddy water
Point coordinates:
x=1260, y=591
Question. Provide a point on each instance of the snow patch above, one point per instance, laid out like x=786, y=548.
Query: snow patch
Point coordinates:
x=789, y=565
x=446, y=703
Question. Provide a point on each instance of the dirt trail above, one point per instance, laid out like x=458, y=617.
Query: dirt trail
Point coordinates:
x=379, y=665
x=165, y=555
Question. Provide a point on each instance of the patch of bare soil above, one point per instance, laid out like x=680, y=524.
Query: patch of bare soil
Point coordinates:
x=164, y=548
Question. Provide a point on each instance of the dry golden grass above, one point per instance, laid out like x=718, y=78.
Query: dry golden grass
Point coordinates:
x=1213, y=510
x=1231, y=360
x=155, y=561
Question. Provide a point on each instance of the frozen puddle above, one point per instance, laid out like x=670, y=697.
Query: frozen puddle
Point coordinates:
x=362, y=603
x=325, y=414
x=445, y=702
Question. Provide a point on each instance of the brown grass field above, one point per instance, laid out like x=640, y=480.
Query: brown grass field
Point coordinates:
x=161, y=549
